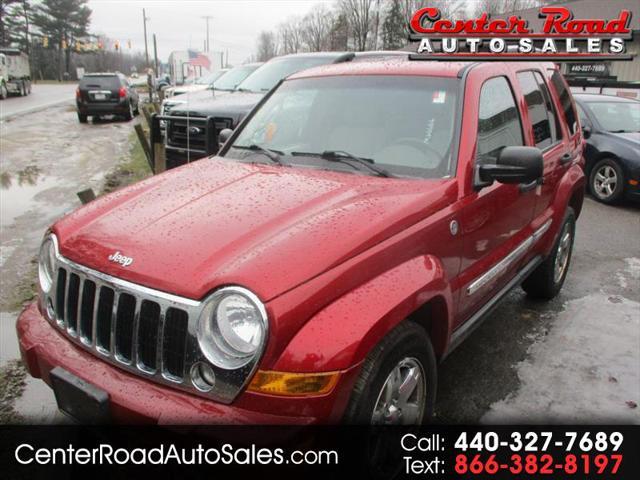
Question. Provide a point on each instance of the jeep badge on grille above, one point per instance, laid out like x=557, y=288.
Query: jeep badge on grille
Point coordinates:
x=117, y=257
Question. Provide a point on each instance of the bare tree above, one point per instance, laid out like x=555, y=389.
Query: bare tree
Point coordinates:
x=358, y=13
x=316, y=28
x=290, y=36
x=267, y=46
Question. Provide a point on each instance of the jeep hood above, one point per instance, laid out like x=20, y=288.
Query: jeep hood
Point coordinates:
x=218, y=222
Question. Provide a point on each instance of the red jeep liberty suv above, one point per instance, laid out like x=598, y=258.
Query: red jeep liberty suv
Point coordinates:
x=355, y=228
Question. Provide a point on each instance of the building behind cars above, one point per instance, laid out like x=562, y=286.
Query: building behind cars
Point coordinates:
x=185, y=65
x=621, y=78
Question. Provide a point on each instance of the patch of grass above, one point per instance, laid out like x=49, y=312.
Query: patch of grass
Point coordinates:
x=24, y=291
x=12, y=383
x=133, y=168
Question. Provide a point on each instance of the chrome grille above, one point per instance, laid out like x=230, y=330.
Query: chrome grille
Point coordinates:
x=122, y=325
x=145, y=331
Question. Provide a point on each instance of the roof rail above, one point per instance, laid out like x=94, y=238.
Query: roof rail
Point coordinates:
x=346, y=57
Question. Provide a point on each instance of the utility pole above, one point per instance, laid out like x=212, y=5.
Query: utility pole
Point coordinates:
x=155, y=54
x=207, y=18
x=146, y=48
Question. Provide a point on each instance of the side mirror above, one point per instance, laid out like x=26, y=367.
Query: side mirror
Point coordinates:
x=514, y=165
x=224, y=135
x=586, y=131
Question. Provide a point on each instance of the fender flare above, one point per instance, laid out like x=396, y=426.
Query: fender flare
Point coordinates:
x=341, y=335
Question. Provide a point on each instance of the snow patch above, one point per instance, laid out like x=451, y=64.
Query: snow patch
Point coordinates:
x=586, y=370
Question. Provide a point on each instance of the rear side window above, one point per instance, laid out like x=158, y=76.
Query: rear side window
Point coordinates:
x=565, y=101
x=554, y=122
x=537, y=110
x=106, y=82
x=499, y=123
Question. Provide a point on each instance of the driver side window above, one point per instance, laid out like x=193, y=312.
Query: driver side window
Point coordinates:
x=499, y=123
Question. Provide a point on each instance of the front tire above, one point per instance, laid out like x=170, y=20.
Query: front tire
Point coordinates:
x=547, y=279
x=397, y=383
x=606, y=181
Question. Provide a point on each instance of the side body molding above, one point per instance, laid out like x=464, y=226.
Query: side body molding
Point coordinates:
x=341, y=335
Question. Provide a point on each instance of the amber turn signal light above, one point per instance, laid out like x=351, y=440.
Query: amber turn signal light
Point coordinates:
x=293, y=384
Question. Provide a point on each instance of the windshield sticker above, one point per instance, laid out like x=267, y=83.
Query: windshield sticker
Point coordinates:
x=439, y=96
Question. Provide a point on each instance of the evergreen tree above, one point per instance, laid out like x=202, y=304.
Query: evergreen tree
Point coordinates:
x=62, y=21
x=393, y=29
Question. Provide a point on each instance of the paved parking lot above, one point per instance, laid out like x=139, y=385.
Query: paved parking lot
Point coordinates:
x=576, y=358
x=41, y=97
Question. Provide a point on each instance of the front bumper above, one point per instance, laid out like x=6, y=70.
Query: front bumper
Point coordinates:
x=133, y=399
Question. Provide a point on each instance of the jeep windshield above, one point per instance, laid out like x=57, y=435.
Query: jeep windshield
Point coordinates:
x=268, y=75
x=403, y=125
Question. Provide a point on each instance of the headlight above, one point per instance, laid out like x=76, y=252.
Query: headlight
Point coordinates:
x=233, y=327
x=47, y=264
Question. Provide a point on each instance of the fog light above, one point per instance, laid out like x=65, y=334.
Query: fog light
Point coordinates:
x=203, y=377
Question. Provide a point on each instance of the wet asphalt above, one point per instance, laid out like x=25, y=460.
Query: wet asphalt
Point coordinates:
x=46, y=157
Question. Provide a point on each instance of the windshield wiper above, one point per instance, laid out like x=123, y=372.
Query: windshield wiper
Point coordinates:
x=273, y=155
x=345, y=157
x=244, y=90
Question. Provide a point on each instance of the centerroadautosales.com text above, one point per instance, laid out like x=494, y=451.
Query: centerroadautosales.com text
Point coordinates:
x=106, y=454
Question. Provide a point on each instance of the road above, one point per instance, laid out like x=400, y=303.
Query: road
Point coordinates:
x=47, y=157
x=41, y=97
x=574, y=359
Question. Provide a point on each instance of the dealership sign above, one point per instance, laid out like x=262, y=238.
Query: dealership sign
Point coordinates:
x=561, y=37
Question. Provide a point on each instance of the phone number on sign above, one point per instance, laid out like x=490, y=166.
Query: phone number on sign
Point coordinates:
x=540, y=442
x=544, y=464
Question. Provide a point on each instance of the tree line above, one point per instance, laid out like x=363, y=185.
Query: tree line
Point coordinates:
x=49, y=31
x=359, y=25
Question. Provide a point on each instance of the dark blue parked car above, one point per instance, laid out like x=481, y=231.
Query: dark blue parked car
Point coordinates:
x=612, y=129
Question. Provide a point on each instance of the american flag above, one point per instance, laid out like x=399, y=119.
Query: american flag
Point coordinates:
x=198, y=59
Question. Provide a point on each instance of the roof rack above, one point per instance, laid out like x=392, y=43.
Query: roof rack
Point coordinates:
x=346, y=57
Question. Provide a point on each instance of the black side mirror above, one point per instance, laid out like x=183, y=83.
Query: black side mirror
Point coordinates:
x=586, y=131
x=513, y=165
x=224, y=135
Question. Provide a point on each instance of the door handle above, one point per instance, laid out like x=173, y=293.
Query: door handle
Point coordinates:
x=566, y=158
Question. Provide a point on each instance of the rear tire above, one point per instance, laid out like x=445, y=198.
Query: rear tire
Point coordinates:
x=373, y=399
x=129, y=115
x=547, y=279
x=82, y=118
x=606, y=181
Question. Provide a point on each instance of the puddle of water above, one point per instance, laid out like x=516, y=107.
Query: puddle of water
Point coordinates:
x=9, y=349
x=16, y=199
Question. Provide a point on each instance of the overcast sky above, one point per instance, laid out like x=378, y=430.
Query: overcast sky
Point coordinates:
x=178, y=24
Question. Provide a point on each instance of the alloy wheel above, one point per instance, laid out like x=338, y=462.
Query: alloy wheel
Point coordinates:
x=563, y=253
x=402, y=399
x=605, y=181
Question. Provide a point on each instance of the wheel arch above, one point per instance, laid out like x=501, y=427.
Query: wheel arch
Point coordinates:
x=343, y=333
